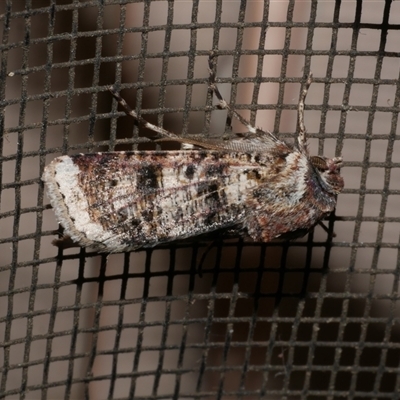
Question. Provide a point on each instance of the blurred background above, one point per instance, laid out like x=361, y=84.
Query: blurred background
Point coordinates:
x=315, y=318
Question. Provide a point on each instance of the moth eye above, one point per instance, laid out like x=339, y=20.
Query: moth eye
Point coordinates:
x=319, y=163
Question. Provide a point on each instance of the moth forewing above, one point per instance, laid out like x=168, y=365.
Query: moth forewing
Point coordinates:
x=126, y=200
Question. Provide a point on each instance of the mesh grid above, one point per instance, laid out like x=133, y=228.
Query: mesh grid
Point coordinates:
x=315, y=318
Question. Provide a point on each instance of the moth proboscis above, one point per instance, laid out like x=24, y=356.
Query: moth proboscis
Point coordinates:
x=254, y=184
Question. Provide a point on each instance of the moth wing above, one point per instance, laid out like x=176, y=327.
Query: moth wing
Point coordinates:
x=257, y=142
x=127, y=200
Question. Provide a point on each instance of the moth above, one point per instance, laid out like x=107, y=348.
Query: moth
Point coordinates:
x=255, y=185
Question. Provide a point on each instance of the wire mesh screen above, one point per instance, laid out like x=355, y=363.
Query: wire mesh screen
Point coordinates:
x=314, y=318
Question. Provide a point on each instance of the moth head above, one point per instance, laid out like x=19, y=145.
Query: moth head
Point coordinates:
x=328, y=170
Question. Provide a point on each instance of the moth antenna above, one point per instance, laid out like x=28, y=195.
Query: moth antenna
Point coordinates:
x=128, y=111
x=222, y=102
x=302, y=136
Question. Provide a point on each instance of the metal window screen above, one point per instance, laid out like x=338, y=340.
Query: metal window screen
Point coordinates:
x=315, y=318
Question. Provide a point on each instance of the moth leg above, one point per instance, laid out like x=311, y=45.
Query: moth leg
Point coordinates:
x=301, y=137
x=222, y=102
x=326, y=229
x=128, y=111
x=64, y=242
